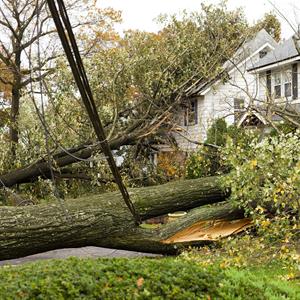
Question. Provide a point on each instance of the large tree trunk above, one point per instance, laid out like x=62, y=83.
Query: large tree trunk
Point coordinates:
x=104, y=220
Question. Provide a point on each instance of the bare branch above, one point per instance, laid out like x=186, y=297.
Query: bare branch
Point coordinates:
x=177, y=130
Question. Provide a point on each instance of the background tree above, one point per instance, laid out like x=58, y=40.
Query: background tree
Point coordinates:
x=23, y=25
x=271, y=24
x=139, y=82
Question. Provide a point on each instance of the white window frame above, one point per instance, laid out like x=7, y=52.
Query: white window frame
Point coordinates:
x=238, y=109
x=191, y=113
x=288, y=81
x=277, y=84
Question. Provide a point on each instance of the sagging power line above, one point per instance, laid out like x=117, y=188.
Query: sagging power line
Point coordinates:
x=68, y=40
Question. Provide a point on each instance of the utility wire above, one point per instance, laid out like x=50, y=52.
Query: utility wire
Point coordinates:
x=65, y=32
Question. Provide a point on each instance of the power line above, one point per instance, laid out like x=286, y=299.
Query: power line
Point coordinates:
x=65, y=32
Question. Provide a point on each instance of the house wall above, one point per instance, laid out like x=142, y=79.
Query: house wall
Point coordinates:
x=218, y=103
x=263, y=85
x=191, y=132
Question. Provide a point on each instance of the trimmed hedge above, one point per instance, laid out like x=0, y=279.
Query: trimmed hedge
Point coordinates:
x=141, y=278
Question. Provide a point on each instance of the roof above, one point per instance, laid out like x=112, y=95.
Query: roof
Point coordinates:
x=261, y=115
x=282, y=52
x=250, y=46
x=247, y=48
x=249, y=114
x=201, y=85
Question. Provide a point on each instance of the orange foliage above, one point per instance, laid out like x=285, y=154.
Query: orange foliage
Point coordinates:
x=6, y=75
x=171, y=164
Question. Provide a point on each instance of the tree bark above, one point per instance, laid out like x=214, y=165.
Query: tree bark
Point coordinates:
x=104, y=220
x=15, y=101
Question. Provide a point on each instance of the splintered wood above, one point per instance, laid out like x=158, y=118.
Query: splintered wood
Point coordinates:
x=210, y=230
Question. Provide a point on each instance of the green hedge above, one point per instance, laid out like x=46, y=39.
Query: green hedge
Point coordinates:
x=166, y=278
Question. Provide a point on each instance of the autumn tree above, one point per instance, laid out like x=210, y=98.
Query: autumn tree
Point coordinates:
x=29, y=45
x=271, y=24
x=139, y=82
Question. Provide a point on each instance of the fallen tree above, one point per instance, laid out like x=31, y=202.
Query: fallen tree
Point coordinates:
x=104, y=220
x=40, y=168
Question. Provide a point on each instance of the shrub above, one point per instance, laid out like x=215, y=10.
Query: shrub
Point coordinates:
x=206, y=161
x=265, y=181
x=265, y=175
x=166, y=278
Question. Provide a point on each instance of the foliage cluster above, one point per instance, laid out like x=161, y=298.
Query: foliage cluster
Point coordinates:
x=271, y=24
x=264, y=180
x=171, y=165
x=166, y=278
x=206, y=161
x=265, y=175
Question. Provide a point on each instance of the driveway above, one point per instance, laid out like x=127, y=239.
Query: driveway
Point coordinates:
x=85, y=252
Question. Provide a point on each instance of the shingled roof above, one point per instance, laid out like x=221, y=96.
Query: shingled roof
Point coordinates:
x=282, y=52
x=247, y=48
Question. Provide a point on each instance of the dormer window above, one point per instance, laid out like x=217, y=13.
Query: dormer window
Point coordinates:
x=263, y=53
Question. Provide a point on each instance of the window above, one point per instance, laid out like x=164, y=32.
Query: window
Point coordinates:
x=239, y=104
x=191, y=117
x=277, y=85
x=283, y=83
x=263, y=53
x=239, y=108
x=287, y=77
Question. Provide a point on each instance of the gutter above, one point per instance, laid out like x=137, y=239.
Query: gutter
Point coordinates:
x=275, y=64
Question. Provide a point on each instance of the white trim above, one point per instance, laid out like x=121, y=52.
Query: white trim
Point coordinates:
x=273, y=84
x=254, y=53
x=238, y=66
x=248, y=114
x=275, y=65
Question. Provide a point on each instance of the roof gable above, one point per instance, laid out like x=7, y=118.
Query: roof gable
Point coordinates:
x=261, y=39
x=249, y=47
x=282, y=52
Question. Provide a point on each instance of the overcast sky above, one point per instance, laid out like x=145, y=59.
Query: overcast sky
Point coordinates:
x=139, y=14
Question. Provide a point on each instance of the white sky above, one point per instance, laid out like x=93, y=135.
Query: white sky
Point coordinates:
x=140, y=14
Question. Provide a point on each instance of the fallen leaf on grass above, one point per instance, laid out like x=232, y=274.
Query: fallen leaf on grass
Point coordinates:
x=140, y=282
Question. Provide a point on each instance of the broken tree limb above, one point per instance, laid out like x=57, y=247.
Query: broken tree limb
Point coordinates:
x=164, y=239
x=104, y=220
x=61, y=159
